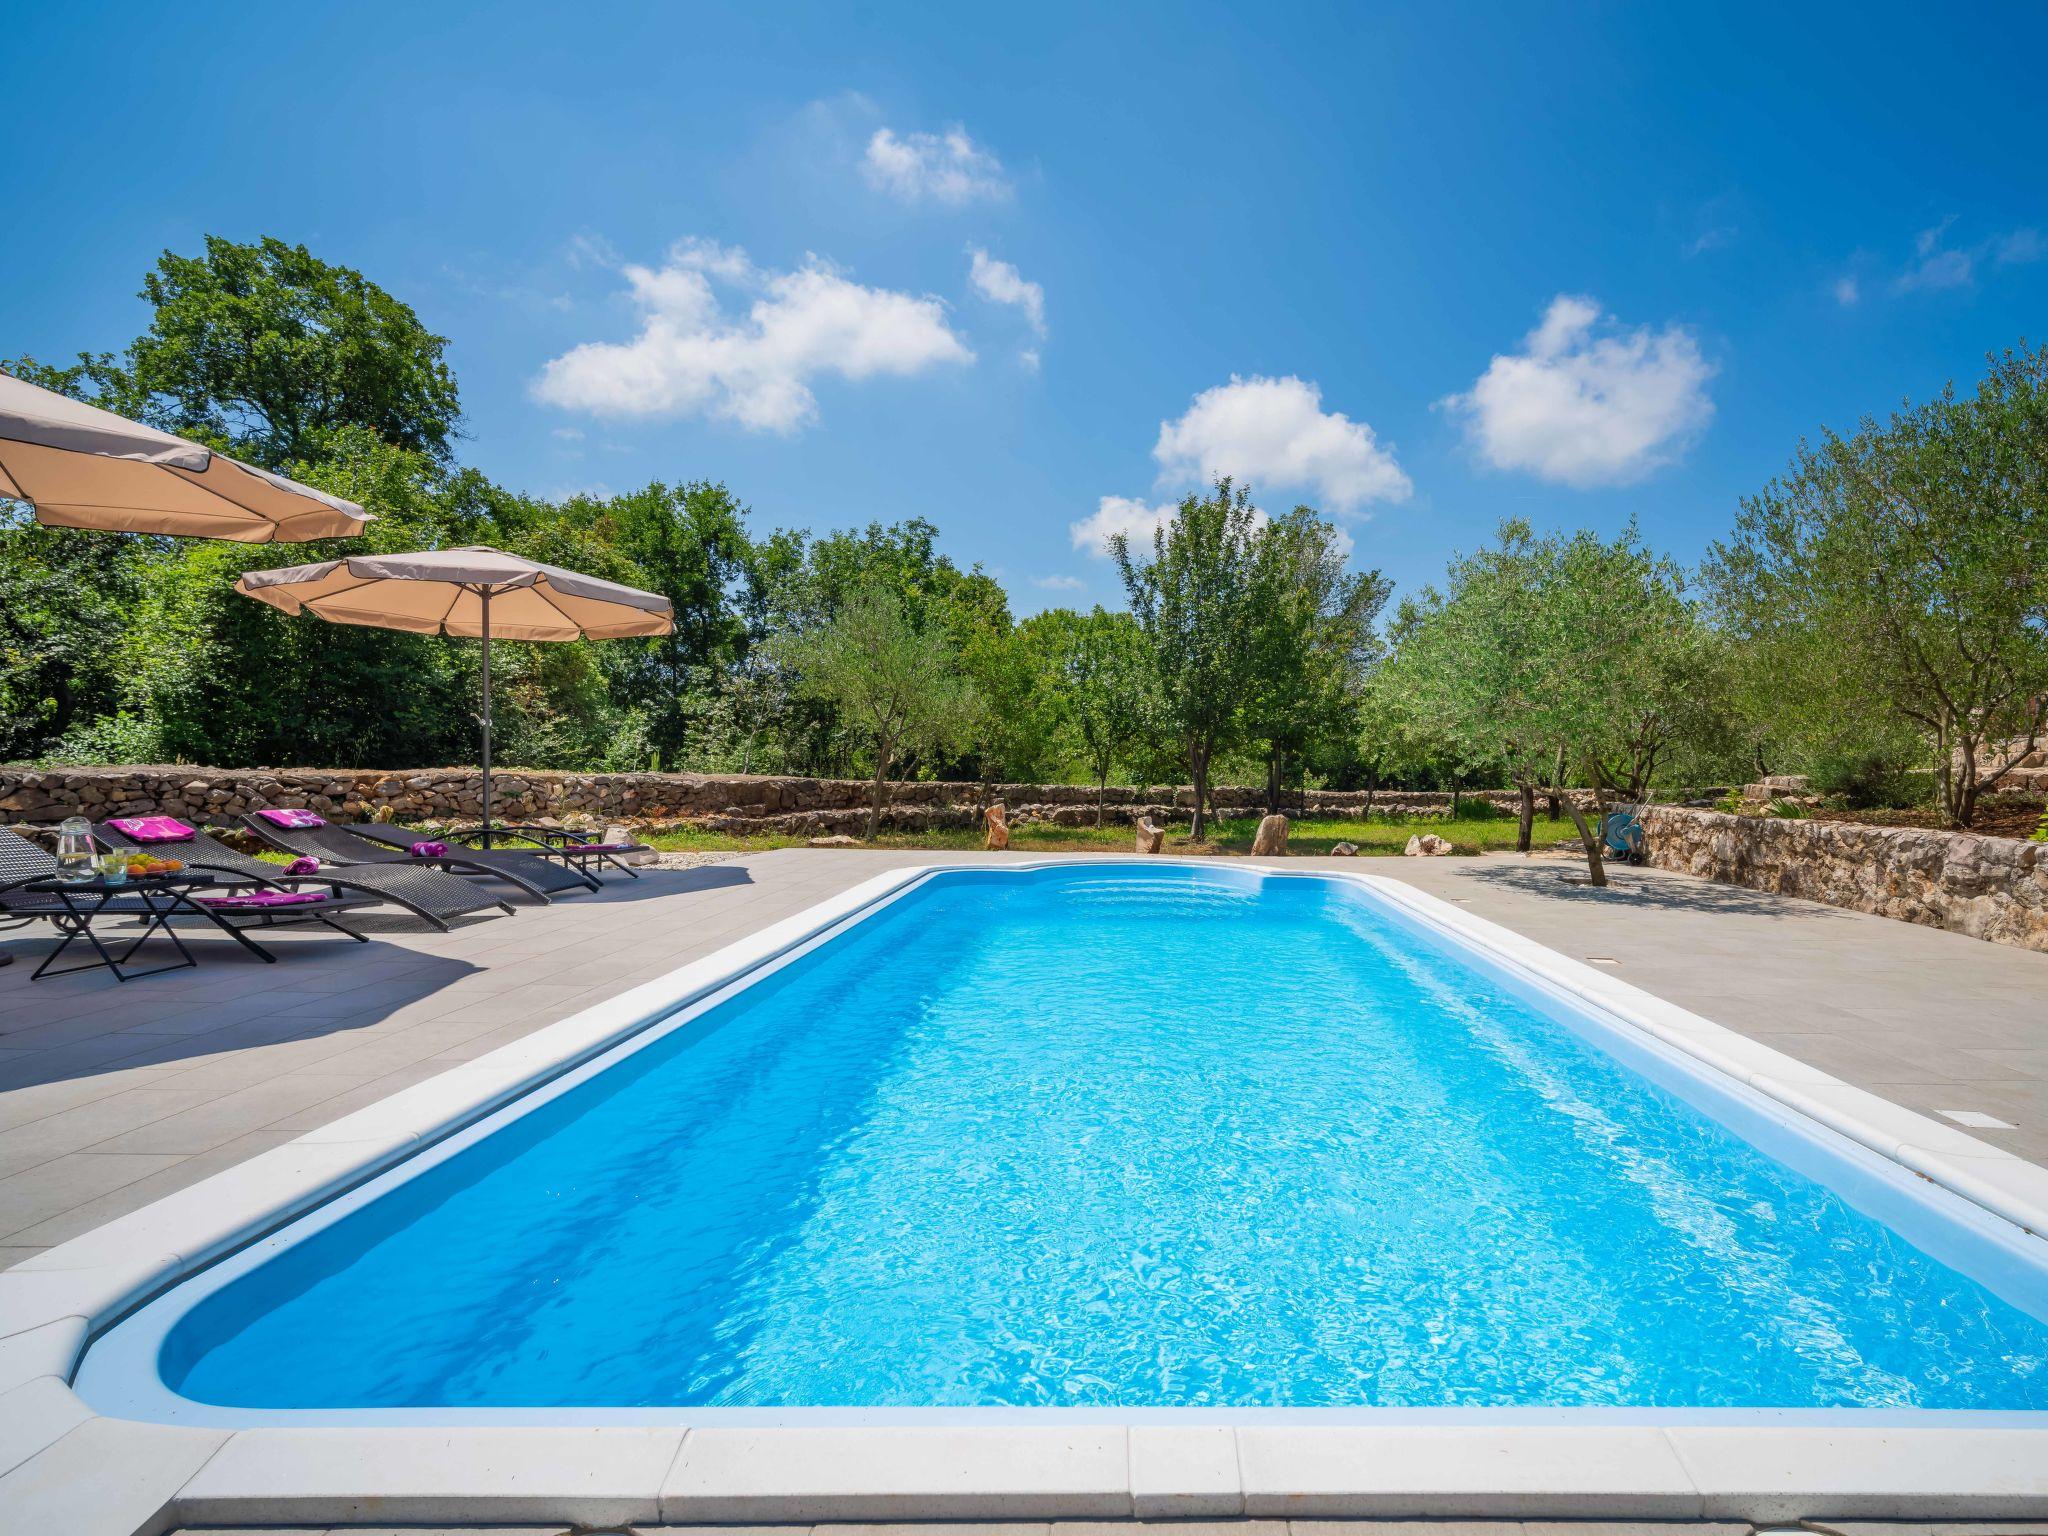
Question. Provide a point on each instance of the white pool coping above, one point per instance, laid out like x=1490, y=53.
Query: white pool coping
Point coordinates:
x=65, y=1466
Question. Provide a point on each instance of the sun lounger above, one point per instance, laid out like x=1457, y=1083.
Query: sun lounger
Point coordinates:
x=314, y=837
x=579, y=849
x=427, y=893
x=532, y=865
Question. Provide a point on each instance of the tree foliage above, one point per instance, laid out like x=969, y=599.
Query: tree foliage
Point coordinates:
x=897, y=684
x=1904, y=569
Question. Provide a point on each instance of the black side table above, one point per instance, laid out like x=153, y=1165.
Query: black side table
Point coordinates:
x=153, y=898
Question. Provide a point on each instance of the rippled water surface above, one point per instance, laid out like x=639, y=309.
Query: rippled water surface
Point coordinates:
x=1110, y=1136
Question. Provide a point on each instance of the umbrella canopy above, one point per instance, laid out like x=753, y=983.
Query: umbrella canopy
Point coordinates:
x=82, y=467
x=468, y=591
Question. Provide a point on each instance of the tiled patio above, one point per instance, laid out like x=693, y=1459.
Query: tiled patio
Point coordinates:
x=111, y=1096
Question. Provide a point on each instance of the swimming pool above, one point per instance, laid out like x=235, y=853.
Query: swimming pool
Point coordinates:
x=1111, y=1138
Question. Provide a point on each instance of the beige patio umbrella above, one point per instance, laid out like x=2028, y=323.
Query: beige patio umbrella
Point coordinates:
x=82, y=467
x=471, y=591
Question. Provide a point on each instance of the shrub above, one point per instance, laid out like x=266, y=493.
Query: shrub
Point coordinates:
x=1869, y=781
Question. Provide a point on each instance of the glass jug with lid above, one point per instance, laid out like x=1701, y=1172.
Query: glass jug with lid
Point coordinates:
x=74, y=849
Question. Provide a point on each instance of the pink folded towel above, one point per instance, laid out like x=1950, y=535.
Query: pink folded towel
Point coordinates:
x=304, y=864
x=263, y=899
x=285, y=816
x=151, y=829
x=600, y=847
x=429, y=850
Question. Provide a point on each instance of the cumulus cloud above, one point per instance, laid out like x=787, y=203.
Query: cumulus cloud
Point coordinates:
x=1275, y=433
x=1059, y=583
x=944, y=167
x=1137, y=520
x=1001, y=283
x=1587, y=402
x=692, y=355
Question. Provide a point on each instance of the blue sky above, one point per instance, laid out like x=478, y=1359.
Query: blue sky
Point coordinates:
x=1423, y=267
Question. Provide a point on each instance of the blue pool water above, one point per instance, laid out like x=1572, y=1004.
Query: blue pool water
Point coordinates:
x=1112, y=1137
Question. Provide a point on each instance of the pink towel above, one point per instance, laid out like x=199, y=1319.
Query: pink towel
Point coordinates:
x=262, y=899
x=284, y=816
x=151, y=829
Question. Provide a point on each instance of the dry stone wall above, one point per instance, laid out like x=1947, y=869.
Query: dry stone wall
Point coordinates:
x=1993, y=888
x=720, y=802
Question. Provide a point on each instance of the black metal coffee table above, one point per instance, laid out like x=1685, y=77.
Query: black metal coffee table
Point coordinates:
x=152, y=898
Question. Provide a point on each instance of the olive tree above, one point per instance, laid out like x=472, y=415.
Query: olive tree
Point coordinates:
x=1313, y=637
x=896, y=684
x=1908, y=564
x=1194, y=602
x=1572, y=661
x=1101, y=676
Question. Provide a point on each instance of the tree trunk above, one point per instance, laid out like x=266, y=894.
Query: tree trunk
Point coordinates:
x=1556, y=778
x=1456, y=783
x=881, y=793
x=1525, y=825
x=1273, y=758
x=1101, y=788
x=1198, y=768
x=1596, y=864
x=1963, y=809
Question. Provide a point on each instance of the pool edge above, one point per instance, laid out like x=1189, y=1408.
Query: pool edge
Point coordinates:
x=612, y=1474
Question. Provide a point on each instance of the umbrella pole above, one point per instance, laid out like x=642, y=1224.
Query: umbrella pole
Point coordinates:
x=486, y=594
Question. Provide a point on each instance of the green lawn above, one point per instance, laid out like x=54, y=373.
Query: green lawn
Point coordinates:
x=1234, y=836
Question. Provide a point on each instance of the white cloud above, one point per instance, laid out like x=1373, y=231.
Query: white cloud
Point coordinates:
x=1847, y=291
x=1711, y=240
x=946, y=167
x=1059, y=583
x=1135, y=519
x=1587, y=402
x=2022, y=245
x=1030, y=359
x=1275, y=433
x=1001, y=283
x=1936, y=265
x=754, y=368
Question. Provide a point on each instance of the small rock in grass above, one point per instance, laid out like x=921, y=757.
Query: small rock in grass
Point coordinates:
x=1344, y=851
x=837, y=840
x=1151, y=836
x=998, y=827
x=1426, y=845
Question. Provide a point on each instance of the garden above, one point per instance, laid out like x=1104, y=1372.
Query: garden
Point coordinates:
x=1872, y=629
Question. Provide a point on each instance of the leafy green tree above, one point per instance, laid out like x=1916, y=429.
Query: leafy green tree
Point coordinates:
x=1312, y=640
x=1101, y=675
x=690, y=544
x=1194, y=602
x=896, y=684
x=1908, y=563
x=270, y=350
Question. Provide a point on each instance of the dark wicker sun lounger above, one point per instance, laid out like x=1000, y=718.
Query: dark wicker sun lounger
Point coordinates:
x=579, y=850
x=427, y=893
x=338, y=845
x=23, y=862
x=517, y=863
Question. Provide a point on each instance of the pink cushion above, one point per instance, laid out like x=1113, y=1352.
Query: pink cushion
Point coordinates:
x=283, y=816
x=601, y=847
x=151, y=829
x=304, y=864
x=263, y=899
x=429, y=850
